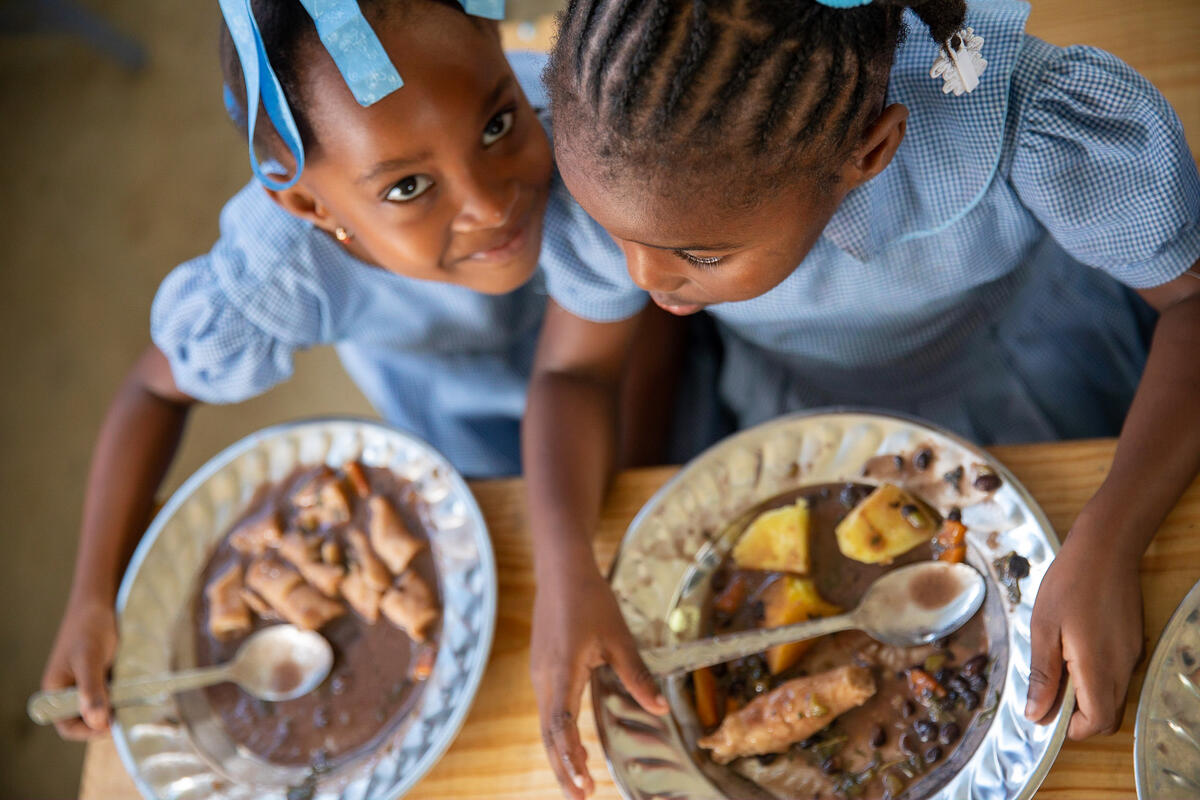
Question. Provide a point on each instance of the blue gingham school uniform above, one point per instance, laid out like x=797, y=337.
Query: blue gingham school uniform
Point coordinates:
x=982, y=281
x=445, y=362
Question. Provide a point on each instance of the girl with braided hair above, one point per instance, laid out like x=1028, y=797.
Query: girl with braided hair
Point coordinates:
x=983, y=244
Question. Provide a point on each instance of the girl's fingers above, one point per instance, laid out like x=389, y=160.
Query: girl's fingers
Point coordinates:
x=625, y=660
x=1045, y=670
x=1097, y=705
x=74, y=730
x=93, y=692
x=560, y=733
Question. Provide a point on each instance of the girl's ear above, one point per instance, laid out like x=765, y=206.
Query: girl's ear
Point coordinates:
x=878, y=146
x=298, y=201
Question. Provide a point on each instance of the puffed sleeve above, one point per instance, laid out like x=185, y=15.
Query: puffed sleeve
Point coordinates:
x=230, y=321
x=1102, y=162
x=583, y=267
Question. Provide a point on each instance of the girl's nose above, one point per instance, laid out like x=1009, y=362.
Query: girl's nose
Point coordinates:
x=486, y=204
x=651, y=270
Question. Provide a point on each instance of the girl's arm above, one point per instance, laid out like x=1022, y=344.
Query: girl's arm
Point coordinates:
x=1097, y=634
x=136, y=443
x=569, y=444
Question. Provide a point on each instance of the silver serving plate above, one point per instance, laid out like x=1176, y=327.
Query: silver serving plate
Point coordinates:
x=175, y=748
x=1166, y=735
x=661, y=572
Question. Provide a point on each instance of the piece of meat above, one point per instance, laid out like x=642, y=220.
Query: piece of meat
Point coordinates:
x=358, y=479
x=287, y=593
x=321, y=502
x=361, y=596
x=390, y=537
x=304, y=554
x=228, y=614
x=254, y=536
x=790, y=713
x=410, y=605
x=331, y=552
x=259, y=606
x=375, y=572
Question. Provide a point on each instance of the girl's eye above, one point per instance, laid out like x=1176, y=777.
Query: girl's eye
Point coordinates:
x=498, y=127
x=700, y=261
x=409, y=188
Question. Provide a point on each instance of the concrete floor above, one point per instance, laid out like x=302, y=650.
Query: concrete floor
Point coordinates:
x=111, y=178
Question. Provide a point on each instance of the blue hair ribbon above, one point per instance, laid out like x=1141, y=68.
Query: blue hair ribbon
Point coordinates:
x=845, y=3
x=350, y=42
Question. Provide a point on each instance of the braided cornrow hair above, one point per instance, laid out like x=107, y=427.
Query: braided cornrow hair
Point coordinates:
x=648, y=82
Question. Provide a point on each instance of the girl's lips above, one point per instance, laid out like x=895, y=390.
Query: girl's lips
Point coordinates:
x=505, y=249
x=668, y=304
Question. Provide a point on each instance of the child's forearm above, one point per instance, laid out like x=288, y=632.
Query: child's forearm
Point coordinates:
x=1158, y=453
x=569, y=443
x=136, y=443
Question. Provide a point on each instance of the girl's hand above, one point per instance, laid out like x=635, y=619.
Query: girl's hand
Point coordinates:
x=577, y=626
x=83, y=652
x=1088, y=619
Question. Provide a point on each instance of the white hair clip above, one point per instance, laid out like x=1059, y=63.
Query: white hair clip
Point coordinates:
x=961, y=66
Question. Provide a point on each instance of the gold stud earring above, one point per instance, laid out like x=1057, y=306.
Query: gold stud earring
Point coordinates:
x=342, y=234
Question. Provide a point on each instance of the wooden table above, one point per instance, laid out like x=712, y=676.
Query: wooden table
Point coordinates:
x=498, y=755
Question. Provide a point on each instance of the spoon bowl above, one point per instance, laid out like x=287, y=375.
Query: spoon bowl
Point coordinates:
x=281, y=662
x=909, y=606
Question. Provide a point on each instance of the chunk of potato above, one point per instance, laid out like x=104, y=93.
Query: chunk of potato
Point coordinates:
x=889, y=523
x=777, y=540
x=788, y=600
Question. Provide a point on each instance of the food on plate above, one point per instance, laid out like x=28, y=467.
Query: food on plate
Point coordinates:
x=343, y=552
x=889, y=523
x=777, y=539
x=789, y=713
x=840, y=716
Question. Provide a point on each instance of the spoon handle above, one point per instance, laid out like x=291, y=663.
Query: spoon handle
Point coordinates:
x=58, y=704
x=687, y=656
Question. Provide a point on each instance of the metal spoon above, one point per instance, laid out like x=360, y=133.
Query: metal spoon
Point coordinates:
x=276, y=663
x=906, y=607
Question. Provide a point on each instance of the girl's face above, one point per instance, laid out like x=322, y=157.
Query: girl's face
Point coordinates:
x=691, y=248
x=699, y=252
x=445, y=179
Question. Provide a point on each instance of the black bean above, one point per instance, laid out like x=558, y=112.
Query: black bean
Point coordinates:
x=898, y=461
x=878, y=736
x=987, y=481
x=949, y=733
x=977, y=683
x=908, y=744
x=975, y=665
x=829, y=765
x=955, y=514
x=908, y=708
x=766, y=759
x=958, y=683
x=925, y=729
x=933, y=754
x=970, y=700
x=922, y=459
x=1189, y=660
x=804, y=744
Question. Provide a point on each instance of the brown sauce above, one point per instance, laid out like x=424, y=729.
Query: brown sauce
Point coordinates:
x=884, y=746
x=369, y=687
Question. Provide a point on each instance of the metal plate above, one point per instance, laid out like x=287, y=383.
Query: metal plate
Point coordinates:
x=158, y=742
x=679, y=538
x=1166, y=736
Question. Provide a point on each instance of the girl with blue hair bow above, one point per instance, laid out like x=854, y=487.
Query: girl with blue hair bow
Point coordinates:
x=402, y=225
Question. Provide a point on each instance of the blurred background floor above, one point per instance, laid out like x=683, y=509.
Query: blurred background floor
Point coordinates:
x=109, y=178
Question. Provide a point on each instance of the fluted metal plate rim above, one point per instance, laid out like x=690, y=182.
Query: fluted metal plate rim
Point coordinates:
x=158, y=749
x=648, y=756
x=1152, y=710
